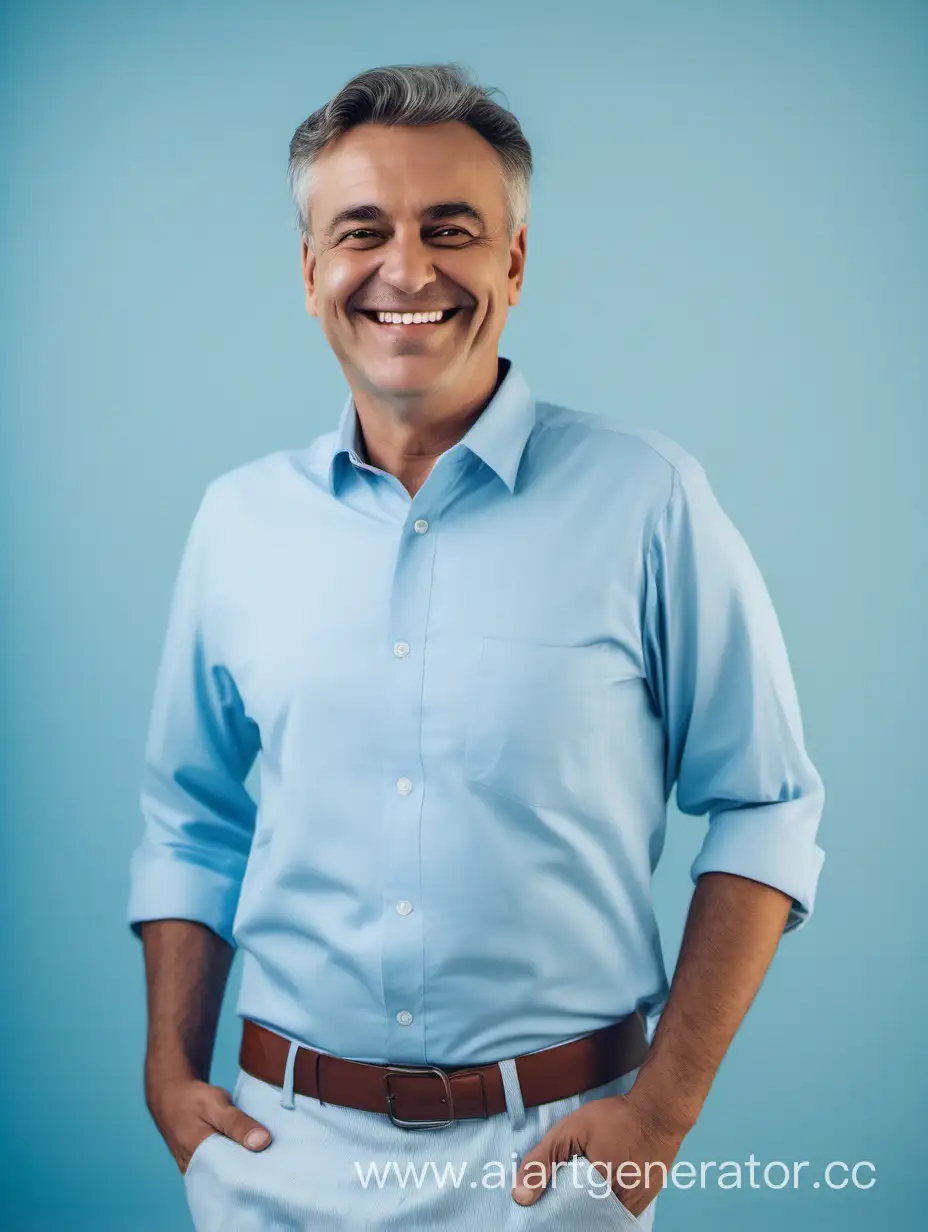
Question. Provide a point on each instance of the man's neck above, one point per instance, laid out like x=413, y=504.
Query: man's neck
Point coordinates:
x=405, y=440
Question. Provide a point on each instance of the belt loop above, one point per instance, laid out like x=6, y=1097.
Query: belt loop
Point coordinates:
x=319, y=1078
x=511, y=1086
x=286, y=1099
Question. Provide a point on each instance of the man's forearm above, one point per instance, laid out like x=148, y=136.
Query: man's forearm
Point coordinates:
x=187, y=968
x=732, y=931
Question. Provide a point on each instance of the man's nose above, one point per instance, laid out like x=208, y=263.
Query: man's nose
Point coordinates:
x=407, y=264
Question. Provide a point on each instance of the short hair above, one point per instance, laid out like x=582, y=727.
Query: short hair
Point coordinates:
x=414, y=94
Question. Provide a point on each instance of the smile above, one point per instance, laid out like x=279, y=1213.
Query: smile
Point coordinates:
x=437, y=317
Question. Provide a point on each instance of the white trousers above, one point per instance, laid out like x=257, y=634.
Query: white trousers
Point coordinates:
x=335, y=1169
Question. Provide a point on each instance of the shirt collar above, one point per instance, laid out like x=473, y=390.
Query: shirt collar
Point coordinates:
x=498, y=436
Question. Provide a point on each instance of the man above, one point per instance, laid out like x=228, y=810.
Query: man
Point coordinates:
x=477, y=639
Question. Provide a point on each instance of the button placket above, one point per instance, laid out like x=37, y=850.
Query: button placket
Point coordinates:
x=403, y=919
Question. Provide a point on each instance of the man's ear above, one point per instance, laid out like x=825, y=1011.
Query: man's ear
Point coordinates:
x=308, y=262
x=517, y=249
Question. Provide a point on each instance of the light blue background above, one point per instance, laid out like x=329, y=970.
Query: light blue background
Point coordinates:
x=727, y=243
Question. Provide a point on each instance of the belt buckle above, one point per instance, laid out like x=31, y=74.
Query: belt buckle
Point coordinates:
x=418, y=1069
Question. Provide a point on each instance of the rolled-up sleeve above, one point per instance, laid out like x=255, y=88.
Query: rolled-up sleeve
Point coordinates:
x=198, y=816
x=719, y=671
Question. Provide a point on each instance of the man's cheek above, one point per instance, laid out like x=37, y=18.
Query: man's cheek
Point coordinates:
x=342, y=280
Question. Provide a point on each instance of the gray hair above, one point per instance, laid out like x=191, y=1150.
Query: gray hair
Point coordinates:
x=415, y=94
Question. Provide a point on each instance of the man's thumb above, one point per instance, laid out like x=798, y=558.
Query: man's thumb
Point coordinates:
x=238, y=1125
x=246, y=1130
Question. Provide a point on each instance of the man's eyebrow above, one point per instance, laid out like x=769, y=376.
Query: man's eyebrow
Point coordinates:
x=440, y=212
x=453, y=209
x=355, y=213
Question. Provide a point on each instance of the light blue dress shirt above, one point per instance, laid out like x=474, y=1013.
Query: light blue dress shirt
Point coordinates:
x=471, y=707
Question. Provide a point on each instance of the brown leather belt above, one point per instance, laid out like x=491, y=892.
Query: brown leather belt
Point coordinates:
x=426, y=1097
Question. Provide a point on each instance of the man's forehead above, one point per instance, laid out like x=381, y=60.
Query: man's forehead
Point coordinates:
x=406, y=169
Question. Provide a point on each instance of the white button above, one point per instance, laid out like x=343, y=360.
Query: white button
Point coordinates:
x=401, y=649
x=420, y=526
x=404, y=906
x=403, y=786
x=404, y=1018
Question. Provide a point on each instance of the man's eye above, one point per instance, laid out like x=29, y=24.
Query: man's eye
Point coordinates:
x=366, y=234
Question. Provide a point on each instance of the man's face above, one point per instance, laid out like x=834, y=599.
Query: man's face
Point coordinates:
x=408, y=219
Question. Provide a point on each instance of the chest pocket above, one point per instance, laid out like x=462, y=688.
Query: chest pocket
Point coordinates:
x=536, y=727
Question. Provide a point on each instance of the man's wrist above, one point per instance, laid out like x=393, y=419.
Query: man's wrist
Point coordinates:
x=664, y=1101
x=162, y=1067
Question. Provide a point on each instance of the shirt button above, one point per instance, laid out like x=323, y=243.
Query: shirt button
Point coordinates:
x=404, y=906
x=401, y=649
x=420, y=526
x=404, y=1018
x=404, y=786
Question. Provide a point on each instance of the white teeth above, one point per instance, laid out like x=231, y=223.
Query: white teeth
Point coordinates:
x=410, y=318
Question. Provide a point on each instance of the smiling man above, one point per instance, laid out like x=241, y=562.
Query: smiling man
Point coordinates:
x=411, y=260
x=477, y=639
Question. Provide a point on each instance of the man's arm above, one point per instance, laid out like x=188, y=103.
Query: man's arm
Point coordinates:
x=732, y=932
x=187, y=968
x=187, y=871
x=735, y=750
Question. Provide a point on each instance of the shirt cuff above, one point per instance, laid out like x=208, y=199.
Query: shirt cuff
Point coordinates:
x=770, y=843
x=168, y=887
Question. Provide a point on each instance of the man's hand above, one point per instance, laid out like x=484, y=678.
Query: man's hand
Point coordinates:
x=613, y=1133
x=187, y=1111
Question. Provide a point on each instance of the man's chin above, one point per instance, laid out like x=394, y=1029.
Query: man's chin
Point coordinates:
x=406, y=375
